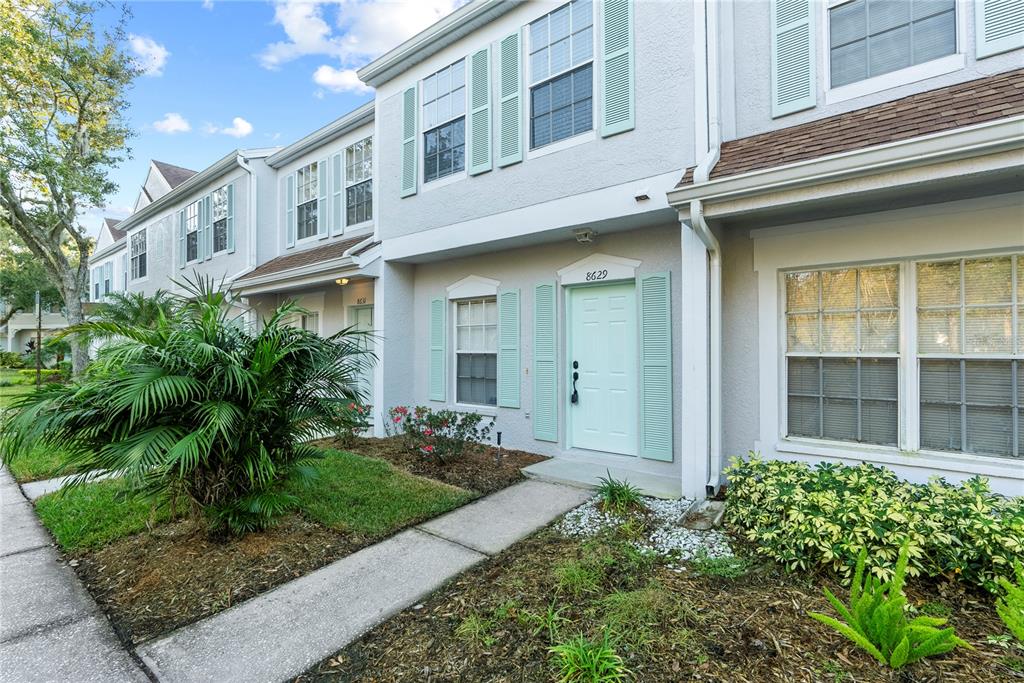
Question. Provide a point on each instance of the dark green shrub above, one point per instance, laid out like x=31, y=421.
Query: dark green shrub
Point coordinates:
x=11, y=359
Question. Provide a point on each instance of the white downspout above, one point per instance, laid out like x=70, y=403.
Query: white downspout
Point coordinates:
x=252, y=219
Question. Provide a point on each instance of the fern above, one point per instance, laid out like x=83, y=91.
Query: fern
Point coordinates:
x=1010, y=607
x=876, y=621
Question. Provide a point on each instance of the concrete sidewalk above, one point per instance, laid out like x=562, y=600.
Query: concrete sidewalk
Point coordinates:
x=280, y=634
x=50, y=628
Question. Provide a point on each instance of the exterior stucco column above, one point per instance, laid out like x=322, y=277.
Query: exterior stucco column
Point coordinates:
x=693, y=331
x=394, y=323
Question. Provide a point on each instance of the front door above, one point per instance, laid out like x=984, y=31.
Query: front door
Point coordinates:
x=361, y=317
x=603, y=351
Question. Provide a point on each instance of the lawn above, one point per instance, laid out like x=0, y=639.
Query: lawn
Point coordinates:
x=9, y=393
x=40, y=463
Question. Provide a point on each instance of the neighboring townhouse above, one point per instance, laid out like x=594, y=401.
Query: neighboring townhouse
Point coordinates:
x=531, y=264
x=861, y=202
x=21, y=327
x=108, y=263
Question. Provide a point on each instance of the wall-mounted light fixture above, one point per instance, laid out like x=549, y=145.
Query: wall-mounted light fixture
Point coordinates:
x=341, y=281
x=642, y=196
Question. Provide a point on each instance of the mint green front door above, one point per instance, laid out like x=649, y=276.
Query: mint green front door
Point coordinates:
x=603, y=349
x=362, y=318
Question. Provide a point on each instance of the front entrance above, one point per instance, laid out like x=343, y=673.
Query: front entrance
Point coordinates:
x=361, y=317
x=602, y=349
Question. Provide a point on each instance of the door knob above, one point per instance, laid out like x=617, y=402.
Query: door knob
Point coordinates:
x=575, y=398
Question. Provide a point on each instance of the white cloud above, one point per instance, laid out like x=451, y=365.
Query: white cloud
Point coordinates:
x=306, y=30
x=208, y=4
x=171, y=123
x=150, y=56
x=239, y=128
x=339, y=80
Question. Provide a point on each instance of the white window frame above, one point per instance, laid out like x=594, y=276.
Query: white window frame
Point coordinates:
x=893, y=79
x=529, y=82
x=198, y=229
x=315, y=181
x=132, y=256
x=213, y=220
x=348, y=182
x=456, y=176
x=453, y=303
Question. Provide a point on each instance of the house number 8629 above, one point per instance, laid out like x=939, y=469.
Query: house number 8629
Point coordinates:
x=593, y=275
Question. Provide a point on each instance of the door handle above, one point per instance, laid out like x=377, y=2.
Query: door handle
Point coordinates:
x=575, y=398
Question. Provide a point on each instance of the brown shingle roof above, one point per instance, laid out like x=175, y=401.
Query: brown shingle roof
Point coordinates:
x=933, y=111
x=307, y=257
x=174, y=175
x=112, y=227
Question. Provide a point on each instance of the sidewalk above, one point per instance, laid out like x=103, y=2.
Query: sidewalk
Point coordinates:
x=280, y=634
x=50, y=628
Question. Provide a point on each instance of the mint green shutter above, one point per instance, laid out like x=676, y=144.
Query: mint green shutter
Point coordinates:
x=337, y=205
x=618, y=111
x=289, y=211
x=479, y=139
x=182, y=256
x=508, y=348
x=656, y=367
x=231, y=218
x=437, y=354
x=321, y=203
x=206, y=237
x=510, y=139
x=792, y=49
x=545, y=376
x=409, y=142
x=998, y=26
x=124, y=272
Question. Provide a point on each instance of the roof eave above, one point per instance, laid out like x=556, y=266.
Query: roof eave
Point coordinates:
x=347, y=123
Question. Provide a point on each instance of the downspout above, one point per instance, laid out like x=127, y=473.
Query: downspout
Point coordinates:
x=699, y=225
x=253, y=219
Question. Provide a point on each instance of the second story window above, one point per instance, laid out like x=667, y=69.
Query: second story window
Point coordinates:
x=444, y=120
x=562, y=73
x=138, y=254
x=307, y=189
x=108, y=277
x=220, y=219
x=192, y=232
x=872, y=37
x=359, y=182
x=96, y=284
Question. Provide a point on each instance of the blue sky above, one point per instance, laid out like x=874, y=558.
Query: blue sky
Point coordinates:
x=223, y=74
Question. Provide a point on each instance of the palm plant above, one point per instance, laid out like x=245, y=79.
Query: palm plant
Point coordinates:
x=198, y=405
x=135, y=308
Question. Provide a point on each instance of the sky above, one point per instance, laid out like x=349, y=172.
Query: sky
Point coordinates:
x=225, y=74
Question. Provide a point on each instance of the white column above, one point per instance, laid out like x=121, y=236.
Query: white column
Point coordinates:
x=694, y=328
x=394, y=322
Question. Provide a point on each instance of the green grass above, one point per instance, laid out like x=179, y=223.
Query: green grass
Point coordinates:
x=41, y=463
x=93, y=515
x=371, y=497
x=9, y=393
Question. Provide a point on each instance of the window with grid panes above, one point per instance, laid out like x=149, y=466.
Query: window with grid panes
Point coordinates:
x=970, y=343
x=192, y=232
x=220, y=219
x=307, y=188
x=476, y=351
x=842, y=354
x=359, y=182
x=562, y=73
x=138, y=254
x=444, y=120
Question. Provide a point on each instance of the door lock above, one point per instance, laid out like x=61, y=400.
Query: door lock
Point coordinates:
x=575, y=398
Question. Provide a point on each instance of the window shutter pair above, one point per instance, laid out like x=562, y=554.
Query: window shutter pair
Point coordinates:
x=289, y=210
x=337, y=189
x=231, y=217
x=182, y=256
x=998, y=26
x=409, y=163
x=618, y=112
x=545, y=372
x=792, y=47
x=479, y=139
x=321, y=200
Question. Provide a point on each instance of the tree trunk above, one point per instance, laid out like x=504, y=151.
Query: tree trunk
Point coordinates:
x=75, y=314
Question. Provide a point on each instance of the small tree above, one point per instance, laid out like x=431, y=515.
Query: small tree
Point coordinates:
x=21, y=276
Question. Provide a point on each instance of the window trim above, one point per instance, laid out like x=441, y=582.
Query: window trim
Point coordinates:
x=316, y=175
x=197, y=232
x=144, y=254
x=213, y=221
x=347, y=183
x=421, y=142
x=453, y=314
x=894, y=79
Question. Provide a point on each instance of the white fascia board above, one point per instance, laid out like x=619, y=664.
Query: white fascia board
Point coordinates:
x=108, y=251
x=333, y=130
x=984, y=138
x=314, y=272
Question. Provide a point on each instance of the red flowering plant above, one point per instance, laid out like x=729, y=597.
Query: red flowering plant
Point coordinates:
x=442, y=435
x=353, y=421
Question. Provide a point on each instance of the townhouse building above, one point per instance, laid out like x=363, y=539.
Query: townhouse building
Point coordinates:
x=649, y=236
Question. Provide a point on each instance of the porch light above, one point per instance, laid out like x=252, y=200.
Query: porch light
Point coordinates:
x=342, y=281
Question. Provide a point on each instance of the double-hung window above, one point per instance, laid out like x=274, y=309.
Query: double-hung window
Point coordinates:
x=359, y=182
x=108, y=276
x=476, y=351
x=444, y=120
x=872, y=37
x=562, y=73
x=220, y=219
x=970, y=341
x=307, y=192
x=192, y=231
x=96, y=284
x=137, y=246
x=842, y=354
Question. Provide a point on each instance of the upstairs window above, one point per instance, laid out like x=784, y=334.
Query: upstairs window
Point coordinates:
x=108, y=277
x=873, y=37
x=138, y=254
x=359, y=182
x=192, y=232
x=562, y=73
x=307, y=192
x=444, y=120
x=96, y=284
x=220, y=219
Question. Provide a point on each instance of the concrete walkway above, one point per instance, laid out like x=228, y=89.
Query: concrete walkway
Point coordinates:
x=50, y=628
x=34, y=490
x=280, y=634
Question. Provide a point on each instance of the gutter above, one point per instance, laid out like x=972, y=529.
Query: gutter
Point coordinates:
x=344, y=124
x=109, y=250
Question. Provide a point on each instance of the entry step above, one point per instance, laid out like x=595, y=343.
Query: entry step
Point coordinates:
x=589, y=474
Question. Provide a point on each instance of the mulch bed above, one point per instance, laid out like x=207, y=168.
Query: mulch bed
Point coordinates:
x=479, y=471
x=745, y=630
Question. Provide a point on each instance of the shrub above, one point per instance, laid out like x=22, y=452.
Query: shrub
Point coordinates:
x=583, y=661
x=618, y=497
x=11, y=359
x=1010, y=607
x=197, y=407
x=351, y=421
x=28, y=375
x=443, y=435
x=805, y=517
x=876, y=619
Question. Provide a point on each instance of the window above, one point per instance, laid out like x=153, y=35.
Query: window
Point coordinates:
x=476, y=351
x=842, y=354
x=192, y=232
x=444, y=120
x=220, y=219
x=873, y=37
x=308, y=191
x=138, y=254
x=95, y=284
x=562, y=73
x=310, y=322
x=970, y=339
x=108, y=275
x=359, y=182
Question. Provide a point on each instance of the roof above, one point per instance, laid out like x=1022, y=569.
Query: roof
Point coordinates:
x=346, y=123
x=934, y=111
x=329, y=252
x=174, y=175
x=112, y=227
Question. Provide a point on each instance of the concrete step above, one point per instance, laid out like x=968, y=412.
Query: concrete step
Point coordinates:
x=588, y=475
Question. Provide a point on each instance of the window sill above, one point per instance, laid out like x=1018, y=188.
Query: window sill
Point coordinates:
x=486, y=411
x=445, y=181
x=307, y=240
x=357, y=226
x=561, y=145
x=894, y=79
x=889, y=455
